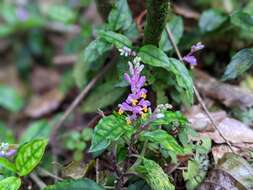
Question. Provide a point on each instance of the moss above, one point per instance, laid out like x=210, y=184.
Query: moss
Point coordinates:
x=157, y=12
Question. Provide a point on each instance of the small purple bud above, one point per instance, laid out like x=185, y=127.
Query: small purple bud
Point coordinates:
x=197, y=47
x=22, y=14
x=190, y=58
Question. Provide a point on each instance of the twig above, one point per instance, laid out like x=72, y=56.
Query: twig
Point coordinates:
x=47, y=173
x=78, y=99
x=171, y=37
x=97, y=171
x=38, y=181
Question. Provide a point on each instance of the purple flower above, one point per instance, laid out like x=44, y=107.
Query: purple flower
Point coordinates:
x=22, y=14
x=6, y=151
x=190, y=58
x=135, y=105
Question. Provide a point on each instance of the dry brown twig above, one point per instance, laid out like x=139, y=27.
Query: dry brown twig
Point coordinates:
x=172, y=39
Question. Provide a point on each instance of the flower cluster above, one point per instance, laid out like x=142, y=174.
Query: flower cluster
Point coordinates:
x=126, y=51
x=136, y=104
x=190, y=58
x=6, y=151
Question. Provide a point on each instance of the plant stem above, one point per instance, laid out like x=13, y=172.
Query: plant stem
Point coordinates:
x=172, y=39
x=157, y=12
x=104, y=7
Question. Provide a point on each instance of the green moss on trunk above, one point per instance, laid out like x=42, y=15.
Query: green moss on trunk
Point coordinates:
x=157, y=12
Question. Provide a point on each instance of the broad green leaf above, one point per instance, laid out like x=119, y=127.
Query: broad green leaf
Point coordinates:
x=114, y=38
x=10, y=99
x=138, y=185
x=108, y=129
x=6, y=30
x=194, y=175
x=162, y=137
x=239, y=64
x=6, y=135
x=94, y=55
x=170, y=117
x=102, y=96
x=211, y=20
x=155, y=57
x=120, y=16
x=37, y=129
x=29, y=155
x=7, y=164
x=154, y=175
x=10, y=183
x=242, y=20
x=61, y=13
x=177, y=28
x=81, y=184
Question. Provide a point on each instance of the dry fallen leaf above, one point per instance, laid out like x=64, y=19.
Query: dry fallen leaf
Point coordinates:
x=41, y=105
x=199, y=120
x=44, y=79
x=234, y=131
x=218, y=151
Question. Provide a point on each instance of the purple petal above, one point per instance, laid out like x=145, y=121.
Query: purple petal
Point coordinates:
x=144, y=103
x=137, y=110
x=197, y=47
x=141, y=82
x=22, y=14
x=190, y=59
x=125, y=107
x=10, y=153
x=132, y=97
x=127, y=78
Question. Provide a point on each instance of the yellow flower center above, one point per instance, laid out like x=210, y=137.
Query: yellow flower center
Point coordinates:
x=129, y=122
x=144, y=95
x=134, y=102
x=120, y=111
x=145, y=109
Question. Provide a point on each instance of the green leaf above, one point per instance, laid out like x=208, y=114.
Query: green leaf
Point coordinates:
x=155, y=57
x=81, y=184
x=194, y=175
x=7, y=164
x=6, y=135
x=242, y=20
x=37, y=129
x=170, y=117
x=108, y=129
x=87, y=134
x=29, y=155
x=102, y=96
x=164, y=139
x=6, y=30
x=10, y=183
x=118, y=40
x=10, y=99
x=154, y=175
x=94, y=54
x=211, y=20
x=239, y=64
x=176, y=26
x=120, y=16
x=61, y=13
